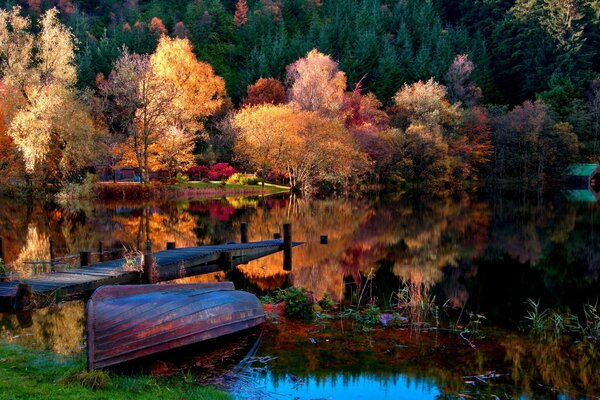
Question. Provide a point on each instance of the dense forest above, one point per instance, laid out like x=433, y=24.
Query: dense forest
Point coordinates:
x=320, y=93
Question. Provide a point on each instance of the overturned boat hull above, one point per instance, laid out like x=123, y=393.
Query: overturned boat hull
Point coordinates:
x=132, y=321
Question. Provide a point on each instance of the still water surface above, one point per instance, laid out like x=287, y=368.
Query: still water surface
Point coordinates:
x=471, y=254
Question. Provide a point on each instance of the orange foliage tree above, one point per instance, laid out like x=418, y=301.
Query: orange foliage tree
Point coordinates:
x=153, y=97
x=265, y=134
x=241, y=13
x=309, y=148
x=316, y=83
x=268, y=90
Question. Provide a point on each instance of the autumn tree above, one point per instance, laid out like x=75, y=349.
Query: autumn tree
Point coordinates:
x=363, y=111
x=173, y=151
x=268, y=90
x=422, y=157
x=316, y=83
x=424, y=117
x=266, y=131
x=324, y=155
x=460, y=86
x=150, y=97
x=49, y=123
x=369, y=126
x=470, y=144
x=241, y=13
x=424, y=103
x=530, y=146
x=12, y=166
x=312, y=150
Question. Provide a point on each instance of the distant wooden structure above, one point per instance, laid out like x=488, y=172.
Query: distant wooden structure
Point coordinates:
x=583, y=182
x=165, y=265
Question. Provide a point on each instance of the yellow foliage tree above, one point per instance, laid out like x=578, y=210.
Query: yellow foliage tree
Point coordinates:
x=152, y=97
x=316, y=83
x=48, y=123
x=173, y=151
x=308, y=147
x=266, y=132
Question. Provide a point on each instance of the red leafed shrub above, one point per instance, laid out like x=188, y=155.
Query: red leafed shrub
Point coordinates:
x=220, y=171
x=197, y=172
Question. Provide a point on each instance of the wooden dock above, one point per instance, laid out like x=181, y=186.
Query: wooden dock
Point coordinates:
x=160, y=266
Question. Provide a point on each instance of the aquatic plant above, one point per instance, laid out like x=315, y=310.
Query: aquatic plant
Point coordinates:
x=474, y=325
x=551, y=323
x=326, y=303
x=298, y=305
x=413, y=301
x=538, y=319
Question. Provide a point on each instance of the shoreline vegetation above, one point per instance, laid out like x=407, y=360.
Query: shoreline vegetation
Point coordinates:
x=108, y=191
x=30, y=374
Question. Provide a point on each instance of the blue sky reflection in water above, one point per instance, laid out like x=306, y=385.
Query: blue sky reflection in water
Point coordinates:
x=362, y=387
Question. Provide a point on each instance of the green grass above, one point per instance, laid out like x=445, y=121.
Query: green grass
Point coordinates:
x=26, y=374
x=271, y=188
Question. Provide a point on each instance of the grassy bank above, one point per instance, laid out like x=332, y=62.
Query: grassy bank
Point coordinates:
x=134, y=191
x=32, y=375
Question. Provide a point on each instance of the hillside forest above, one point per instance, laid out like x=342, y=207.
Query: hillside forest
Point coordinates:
x=323, y=95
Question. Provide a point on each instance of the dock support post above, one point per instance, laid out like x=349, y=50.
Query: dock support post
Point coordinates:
x=2, y=250
x=277, y=235
x=171, y=246
x=100, y=251
x=324, y=239
x=85, y=258
x=244, y=232
x=23, y=298
x=150, y=271
x=287, y=247
x=52, y=255
x=226, y=260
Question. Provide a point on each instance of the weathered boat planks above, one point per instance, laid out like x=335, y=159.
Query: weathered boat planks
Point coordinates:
x=128, y=322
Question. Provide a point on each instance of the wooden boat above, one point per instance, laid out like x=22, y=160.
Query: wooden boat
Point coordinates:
x=131, y=321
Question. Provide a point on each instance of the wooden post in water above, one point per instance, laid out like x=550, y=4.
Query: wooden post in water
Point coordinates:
x=244, y=232
x=226, y=260
x=85, y=258
x=324, y=239
x=2, y=250
x=287, y=247
x=171, y=246
x=277, y=235
x=52, y=255
x=100, y=251
x=150, y=271
x=23, y=298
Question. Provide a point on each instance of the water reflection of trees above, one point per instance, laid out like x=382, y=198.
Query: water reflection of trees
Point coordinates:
x=59, y=328
x=564, y=366
x=423, y=241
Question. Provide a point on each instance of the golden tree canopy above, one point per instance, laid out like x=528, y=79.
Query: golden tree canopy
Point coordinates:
x=199, y=92
x=47, y=119
x=316, y=83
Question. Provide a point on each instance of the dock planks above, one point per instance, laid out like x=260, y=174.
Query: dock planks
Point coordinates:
x=170, y=264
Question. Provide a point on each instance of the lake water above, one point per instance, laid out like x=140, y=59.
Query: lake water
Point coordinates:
x=469, y=255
